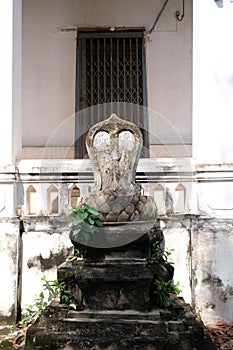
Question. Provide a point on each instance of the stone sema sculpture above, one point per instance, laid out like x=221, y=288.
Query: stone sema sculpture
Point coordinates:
x=114, y=148
x=111, y=285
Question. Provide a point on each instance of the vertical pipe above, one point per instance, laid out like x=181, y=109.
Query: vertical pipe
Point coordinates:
x=80, y=95
x=124, y=75
x=111, y=73
x=91, y=81
x=137, y=81
x=98, y=77
x=105, y=94
x=19, y=269
x=130, y=79
x=118, y=78
x=144, y=103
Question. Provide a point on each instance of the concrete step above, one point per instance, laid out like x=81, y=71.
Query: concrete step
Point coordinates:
x=116, y=314
x=73, y=341
x=60, y=328
x=107, y=327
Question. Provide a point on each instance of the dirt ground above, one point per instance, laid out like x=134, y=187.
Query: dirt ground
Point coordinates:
x=5, y=336
x=222, y=335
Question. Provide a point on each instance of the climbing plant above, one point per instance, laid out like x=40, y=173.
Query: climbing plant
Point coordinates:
x=85, y=214
x=84, y=222
x=163, y=289
x=51, y=290
x=158, y=254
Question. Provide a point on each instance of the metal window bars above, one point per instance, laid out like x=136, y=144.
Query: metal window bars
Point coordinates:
x=110, y=79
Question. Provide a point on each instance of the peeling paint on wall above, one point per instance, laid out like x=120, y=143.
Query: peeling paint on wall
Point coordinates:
x=9, y=232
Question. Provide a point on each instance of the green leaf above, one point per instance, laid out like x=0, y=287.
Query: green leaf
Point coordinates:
x=93, y=212
x=90, y=221
x=76, y=231
x=82, y=215
x=98, y=223
x=77, y=221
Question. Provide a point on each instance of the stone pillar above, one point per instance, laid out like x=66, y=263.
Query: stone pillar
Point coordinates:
x=10, y=82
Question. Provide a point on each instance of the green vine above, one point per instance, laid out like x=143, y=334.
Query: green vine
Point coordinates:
x=162, y=291
x=85, y=214
x=158, y=254
x=84, y=221
x=32, y=311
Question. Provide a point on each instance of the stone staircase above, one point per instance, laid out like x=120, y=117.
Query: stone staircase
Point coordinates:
x=60, y=327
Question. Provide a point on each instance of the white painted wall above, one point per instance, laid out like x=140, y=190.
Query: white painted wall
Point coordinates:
x=177, y=242
x=213, y=82
x=6, y=33
x=169, y=78
x=10, y=82
x=49, y=65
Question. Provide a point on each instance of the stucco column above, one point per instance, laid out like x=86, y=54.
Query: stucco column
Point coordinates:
x=10, y=147
x=10, y=81
x=212, y=82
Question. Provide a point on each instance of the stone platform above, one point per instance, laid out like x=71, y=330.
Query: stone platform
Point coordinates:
x=176, y=328
x=113, y=284
x=113, y=307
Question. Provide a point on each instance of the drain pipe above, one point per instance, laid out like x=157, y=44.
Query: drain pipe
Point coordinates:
x=158, y=16
x=19, y=270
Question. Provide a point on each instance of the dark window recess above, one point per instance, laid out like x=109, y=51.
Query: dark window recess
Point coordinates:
x=110, y=72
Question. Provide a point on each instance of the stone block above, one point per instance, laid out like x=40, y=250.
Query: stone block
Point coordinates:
x=110, y=285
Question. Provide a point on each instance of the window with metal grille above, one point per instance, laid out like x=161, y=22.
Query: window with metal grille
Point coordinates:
x=110, y=79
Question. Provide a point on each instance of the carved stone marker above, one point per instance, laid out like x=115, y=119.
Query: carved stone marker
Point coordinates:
x=114, y=148
x=112, y=285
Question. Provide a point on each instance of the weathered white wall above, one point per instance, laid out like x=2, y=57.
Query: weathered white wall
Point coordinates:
x=212, y=277
x=46, y=245
x=9, y=256
x=202, y=242
x=177, y=242
x=49, y=65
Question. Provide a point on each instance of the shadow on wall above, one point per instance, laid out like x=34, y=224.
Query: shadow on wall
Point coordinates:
x=219, y=3
x=44, y=264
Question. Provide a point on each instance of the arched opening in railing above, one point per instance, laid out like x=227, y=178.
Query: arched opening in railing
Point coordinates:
x=31, y=201
x=179, y=200
x=159, y=198
x=74, y=196
x=52, y=200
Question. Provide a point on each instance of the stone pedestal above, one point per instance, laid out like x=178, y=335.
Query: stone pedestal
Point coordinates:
x=113, y=307
x=173, y=329
x=118, y=284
